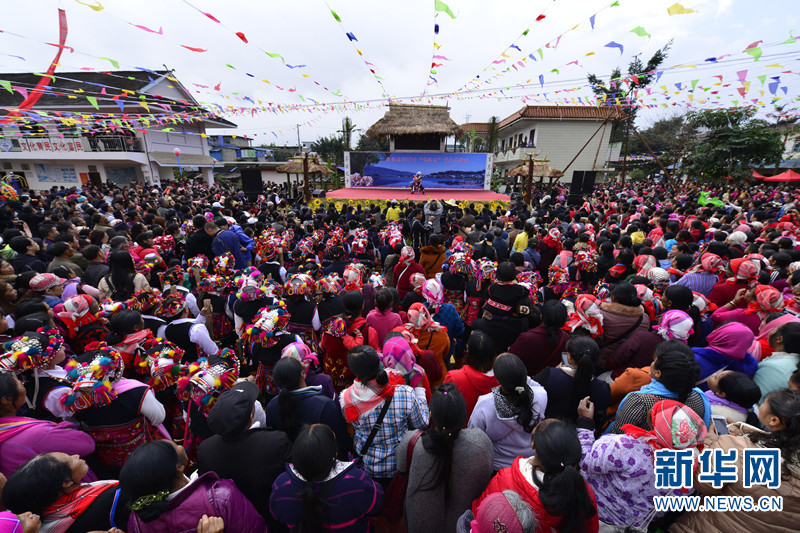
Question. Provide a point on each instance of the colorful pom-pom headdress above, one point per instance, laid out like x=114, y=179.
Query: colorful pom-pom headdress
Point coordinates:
x=173, y=305
x=224, y=264
x=329, y=285
x=91, y=376
x=199, y=261
x=299, y=285
x=32, y=350
x=164, y=363
x=207, y=378
x=269, y=323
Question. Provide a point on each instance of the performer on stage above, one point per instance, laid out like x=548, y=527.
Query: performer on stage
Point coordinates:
x=416, y=184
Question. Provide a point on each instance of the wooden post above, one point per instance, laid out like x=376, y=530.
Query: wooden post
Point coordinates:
x=625, y=156
x=599, y=144
x=669, y=178
x=306, y=190
x=529, y=180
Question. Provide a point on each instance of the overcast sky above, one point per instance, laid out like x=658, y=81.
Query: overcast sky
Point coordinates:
x=398, y=39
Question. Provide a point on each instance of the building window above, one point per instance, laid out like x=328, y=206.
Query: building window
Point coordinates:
x=532, y=138
x=7, y=166
x=25, y=166
x=796, y=147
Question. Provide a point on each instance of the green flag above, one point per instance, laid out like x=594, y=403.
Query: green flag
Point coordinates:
x=441, y=7
x=755, y=52
x=276, y=55
x=641, y=32
x=93, y=101
x=336, y=16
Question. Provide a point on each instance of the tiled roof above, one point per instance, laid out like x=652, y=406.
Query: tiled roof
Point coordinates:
x=564, y=112
x=479, y=127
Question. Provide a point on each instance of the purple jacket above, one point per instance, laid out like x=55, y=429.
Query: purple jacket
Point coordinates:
x=227, y=241
x=348, y=496
x=23, y=438
x=207, y=495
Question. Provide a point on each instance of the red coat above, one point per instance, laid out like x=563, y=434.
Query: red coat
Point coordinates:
x=471, y=384
x=724, y=292
x=511, y=478
x=402, y=277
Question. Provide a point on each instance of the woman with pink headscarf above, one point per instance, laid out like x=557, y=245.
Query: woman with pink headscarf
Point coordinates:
x=750, y=307
x=742, y=274
x=405, y=267
x=675, y=324
x=727, y=349
x=398, y=357
x=761, y=348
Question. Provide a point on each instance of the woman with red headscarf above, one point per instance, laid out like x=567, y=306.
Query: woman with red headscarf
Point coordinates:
x=750, y=307
x=704, y=275
x=742, y=274
x=403, y=270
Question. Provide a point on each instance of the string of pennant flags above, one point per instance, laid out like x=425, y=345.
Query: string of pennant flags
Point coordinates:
x=438, y=58
x=762, y=84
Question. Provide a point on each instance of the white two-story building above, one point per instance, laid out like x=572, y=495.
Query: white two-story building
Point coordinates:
x=557, y=133
x=92, y=127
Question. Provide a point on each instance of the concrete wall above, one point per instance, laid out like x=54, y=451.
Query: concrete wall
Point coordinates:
x=27, y=168
x=560, y=140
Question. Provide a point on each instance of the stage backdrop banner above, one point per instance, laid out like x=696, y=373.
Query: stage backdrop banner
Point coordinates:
x=397, y=169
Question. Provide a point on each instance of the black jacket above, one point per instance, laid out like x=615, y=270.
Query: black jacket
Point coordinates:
x=198, y=243
x=28, y=263
x=94, y=273
x=253, y=460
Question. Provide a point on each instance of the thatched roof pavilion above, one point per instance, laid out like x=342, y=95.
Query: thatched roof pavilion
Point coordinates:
x=295, y=166
x=415, y=127
x=540, y=170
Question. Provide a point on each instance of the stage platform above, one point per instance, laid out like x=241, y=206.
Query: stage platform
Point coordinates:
x=405, y=194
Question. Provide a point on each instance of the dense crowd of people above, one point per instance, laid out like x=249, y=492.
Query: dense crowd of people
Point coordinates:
x=190, y=359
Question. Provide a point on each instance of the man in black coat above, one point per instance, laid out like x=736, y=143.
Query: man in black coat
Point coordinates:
x=253, y=457
x=200, y=241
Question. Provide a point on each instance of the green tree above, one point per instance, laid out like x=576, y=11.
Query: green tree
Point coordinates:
x=368, y=144
x=330, y=149
x=492, y=134
x=347, y=132
x=640, y=76
x=671, y=139
x=786, y=122
x=731, y=142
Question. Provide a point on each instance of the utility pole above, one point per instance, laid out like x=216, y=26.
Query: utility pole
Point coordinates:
x=306, y=189
x=299, y=146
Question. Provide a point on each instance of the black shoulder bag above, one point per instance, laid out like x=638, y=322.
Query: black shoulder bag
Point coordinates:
x=374, y=432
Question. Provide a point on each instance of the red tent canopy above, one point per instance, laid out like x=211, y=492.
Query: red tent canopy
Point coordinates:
x=758, y=176
x=789, y=175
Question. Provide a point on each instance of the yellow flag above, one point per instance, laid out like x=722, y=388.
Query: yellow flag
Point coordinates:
x=677, y=9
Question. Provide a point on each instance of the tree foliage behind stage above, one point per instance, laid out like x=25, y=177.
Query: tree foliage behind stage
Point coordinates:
x=671, y=139
x=731, y=143
x=330, y=149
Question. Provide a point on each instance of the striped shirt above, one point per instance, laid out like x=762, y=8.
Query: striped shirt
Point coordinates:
x=699, y=282
x=408, y=410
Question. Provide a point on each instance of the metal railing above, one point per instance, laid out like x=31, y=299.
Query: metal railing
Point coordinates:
x=84, y=143
x=113, y=143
